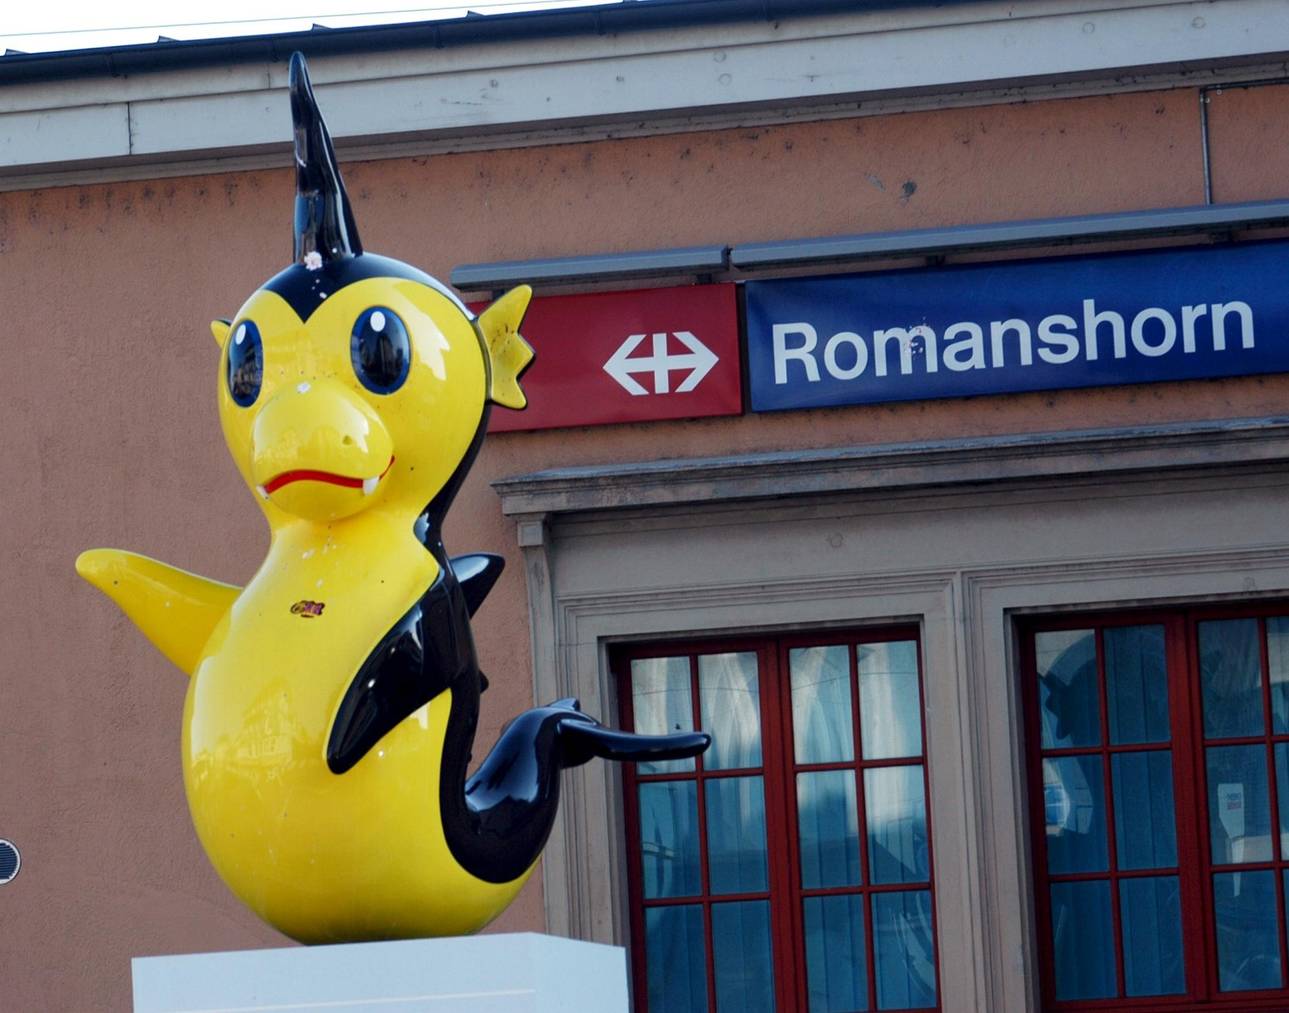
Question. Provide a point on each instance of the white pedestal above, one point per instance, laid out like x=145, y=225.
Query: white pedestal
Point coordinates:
x=520, y=973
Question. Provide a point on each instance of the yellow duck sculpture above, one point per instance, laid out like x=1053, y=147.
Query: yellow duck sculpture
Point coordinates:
x=333, y=700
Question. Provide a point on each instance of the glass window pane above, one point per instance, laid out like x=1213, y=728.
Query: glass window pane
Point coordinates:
x=828, y=822
x=1151, y=911
x=1282, y=795
x=895, y=803
x=1230, y=661
x=741, y=949
x=1069, y=695
x=728, y=689
x=1248, y=942
x=1144, y=828
x=1278, y=662
x=822, y=725
x=736, y=834
x=1136, y=684
x=1083, y=940
x=676, y=958
x=660, y=703
x=1074, y=807
x=836, y=965
x=903, y=955
x=1239, y=805
x=890, y=711
x=669, y=839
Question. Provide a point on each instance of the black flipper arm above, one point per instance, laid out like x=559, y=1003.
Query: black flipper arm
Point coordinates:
x=426, y=652
x=477, y=573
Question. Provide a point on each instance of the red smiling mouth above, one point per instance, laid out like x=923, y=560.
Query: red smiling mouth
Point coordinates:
x=368, y=485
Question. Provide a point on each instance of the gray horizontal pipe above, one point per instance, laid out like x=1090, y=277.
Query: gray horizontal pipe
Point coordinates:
x=835, y=250
x=1010, y=235
x=598, y=267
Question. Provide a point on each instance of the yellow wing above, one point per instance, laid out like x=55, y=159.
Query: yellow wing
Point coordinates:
x=174, y=609
x=508, y=352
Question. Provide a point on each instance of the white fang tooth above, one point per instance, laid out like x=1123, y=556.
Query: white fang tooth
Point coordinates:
x=369, y=485
x=264, y=493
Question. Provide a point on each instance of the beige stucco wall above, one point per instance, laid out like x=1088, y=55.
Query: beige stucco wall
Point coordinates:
x=111, y=436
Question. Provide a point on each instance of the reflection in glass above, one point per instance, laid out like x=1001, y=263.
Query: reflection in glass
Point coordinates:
x=828, y=822
x=895, y=803
x=676, y=957
x=660, y=703
x=1136, y=684
x=1151, y=912
x=1074, y=809
x=822, y=729
x=889, y=703
x=736, y=834
x=1083, y=940
x=1278, y=663
x=1068, y=693
x=1145, y=832
x=1248, y=941
x=903, y=956
x=741, y=948
x=835, y=964
x=1239, y=805
x=669, y=838
x=1231, y=677
x=728, y=691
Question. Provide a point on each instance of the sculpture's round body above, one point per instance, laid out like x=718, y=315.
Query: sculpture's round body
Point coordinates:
x=324, y=858
x=333, y=702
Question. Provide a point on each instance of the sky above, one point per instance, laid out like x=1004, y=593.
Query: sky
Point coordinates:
x=77, y=24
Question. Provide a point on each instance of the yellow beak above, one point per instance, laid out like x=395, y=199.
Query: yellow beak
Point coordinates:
x=319, y=451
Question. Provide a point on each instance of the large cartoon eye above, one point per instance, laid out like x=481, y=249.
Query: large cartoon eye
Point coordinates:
x=380, y=350
x=245, y=363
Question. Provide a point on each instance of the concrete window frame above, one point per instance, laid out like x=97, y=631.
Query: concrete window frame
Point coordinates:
x=959, y=537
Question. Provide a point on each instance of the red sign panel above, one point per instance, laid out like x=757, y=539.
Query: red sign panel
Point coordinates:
x=638, y=356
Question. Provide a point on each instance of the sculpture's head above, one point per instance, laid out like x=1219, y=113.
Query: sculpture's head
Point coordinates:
x=351, y=380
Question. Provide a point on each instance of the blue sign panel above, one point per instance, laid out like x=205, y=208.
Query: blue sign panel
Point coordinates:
x=1032, y=325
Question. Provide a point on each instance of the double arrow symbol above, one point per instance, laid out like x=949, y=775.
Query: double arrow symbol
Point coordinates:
x=699, y=360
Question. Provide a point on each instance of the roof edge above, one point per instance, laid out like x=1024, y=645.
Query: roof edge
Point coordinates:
x=472, y=29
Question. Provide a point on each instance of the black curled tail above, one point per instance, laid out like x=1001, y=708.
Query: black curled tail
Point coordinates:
x=582, y=738
x=509, y=804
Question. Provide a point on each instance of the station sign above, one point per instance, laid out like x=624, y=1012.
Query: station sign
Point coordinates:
x=638, y=356
x=1031, y=325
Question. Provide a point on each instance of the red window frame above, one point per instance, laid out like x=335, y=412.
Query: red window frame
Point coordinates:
x=1195, y=865
x=779, y=769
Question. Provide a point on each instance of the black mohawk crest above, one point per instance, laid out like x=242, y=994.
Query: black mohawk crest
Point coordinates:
x=324, y=221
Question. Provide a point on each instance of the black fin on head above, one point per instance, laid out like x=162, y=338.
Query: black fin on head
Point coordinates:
x=324, y=222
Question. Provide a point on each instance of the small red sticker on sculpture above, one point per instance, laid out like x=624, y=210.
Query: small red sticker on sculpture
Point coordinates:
x=308, y=609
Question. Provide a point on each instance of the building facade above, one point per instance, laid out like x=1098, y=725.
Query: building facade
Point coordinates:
x=996, y=672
